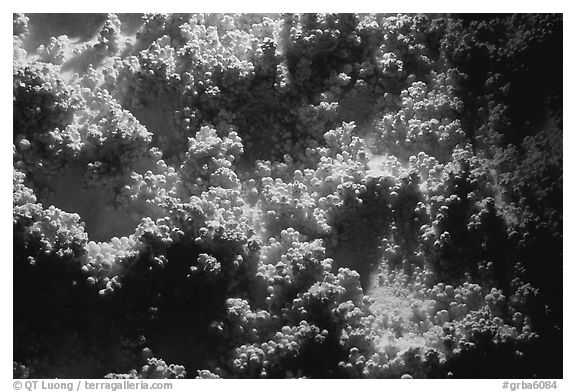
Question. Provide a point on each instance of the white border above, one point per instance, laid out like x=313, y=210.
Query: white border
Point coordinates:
x=301, y=6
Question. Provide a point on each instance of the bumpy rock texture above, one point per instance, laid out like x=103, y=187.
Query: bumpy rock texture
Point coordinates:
x=287, y=196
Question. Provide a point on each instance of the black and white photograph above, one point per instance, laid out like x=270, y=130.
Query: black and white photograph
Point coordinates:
x=288, y=195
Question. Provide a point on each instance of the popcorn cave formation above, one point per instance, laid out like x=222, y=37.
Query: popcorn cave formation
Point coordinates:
x=287, y=195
